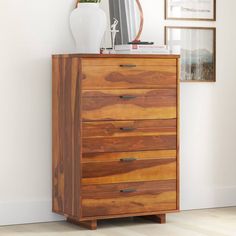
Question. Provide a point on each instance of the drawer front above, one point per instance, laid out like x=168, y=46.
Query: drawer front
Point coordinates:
x=129, y=168
x=129, y=128
x=120, y=144
x=128, y=73
x=91, y=62
x=118, y=136
x=117, y=156
x=129, y=104
x=128, y=198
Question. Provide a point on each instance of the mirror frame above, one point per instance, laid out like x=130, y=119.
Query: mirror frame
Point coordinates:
x=137, y=38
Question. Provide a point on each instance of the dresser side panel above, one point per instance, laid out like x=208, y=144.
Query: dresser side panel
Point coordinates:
x=178, y=132
x=66, y=136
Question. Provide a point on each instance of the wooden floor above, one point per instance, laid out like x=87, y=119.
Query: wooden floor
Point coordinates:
x=214, y=222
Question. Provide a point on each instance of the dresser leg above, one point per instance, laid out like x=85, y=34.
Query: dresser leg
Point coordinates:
x=161, y=219
x=89, y=224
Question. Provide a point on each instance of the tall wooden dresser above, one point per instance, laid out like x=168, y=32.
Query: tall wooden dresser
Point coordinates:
x=115, y=137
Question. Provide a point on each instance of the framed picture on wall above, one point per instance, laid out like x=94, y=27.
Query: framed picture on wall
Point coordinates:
x=190, y=10
x=197, y=47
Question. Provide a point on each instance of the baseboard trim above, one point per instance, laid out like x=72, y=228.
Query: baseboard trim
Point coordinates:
x=209, y=198
x=12, y=213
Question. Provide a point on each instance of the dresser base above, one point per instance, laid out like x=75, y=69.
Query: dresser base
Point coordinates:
x=161, y=219
x=89, y=224
x=92, y=224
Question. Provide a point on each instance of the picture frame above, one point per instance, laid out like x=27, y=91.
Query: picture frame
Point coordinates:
x=197, y=47
x=190, y=10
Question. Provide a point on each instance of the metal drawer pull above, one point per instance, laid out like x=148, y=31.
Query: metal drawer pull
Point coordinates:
x=128, y=97
x=128, y=66
x=128, y=159
x=127, y=128
x=128, y=190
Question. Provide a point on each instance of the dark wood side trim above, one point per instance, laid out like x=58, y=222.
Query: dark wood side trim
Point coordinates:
x=66, y=135
x=178, y=136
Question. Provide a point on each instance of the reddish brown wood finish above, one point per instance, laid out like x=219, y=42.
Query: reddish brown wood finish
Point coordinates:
x=134, y=171
x=125, y=76
x=129, y=104
x=137, y=60
x=66, y=136
x=89, y=224
x=101, y=200
x=107, y=108
x=114, y=157
x=121, y=144
x=129, y=128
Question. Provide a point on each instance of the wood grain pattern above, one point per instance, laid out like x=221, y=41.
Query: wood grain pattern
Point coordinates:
x=115, y=136
x=140, y=135
x=116, y=77
x=104, y=62
x=128, y=128
x=142, y=104
x=89, y=224
x=178, y=133
x=102, y=200
x=133, y=171
x=121, y=144
x=114, y=157
x=66, y=135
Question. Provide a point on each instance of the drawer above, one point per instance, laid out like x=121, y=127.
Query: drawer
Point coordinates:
x=128, y=73
x=136, y=143
x=117, y=156
x=118, y=136
x=128, y=128
x=129, y=104
x=128, y=198
x=128, y=167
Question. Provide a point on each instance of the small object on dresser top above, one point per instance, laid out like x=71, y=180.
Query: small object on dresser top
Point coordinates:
x=141, y=47
x=143, y=52
x=138, y=49
x=141, y=43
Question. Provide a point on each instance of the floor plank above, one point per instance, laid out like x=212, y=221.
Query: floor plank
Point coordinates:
x=211, y=222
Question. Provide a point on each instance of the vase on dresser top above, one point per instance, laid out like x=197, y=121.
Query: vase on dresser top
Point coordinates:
x=88, y=24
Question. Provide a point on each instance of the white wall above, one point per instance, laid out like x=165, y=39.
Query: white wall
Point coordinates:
x=208, y=114
x=32, y=30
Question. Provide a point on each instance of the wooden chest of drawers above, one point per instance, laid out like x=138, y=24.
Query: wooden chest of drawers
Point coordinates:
x=115, y=136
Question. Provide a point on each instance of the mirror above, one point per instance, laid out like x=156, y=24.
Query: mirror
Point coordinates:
x=130, y=16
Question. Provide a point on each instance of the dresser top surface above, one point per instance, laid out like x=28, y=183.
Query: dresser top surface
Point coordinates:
x=172, y=56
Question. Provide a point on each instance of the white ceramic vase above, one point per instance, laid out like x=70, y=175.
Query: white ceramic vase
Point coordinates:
x=88, y=24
